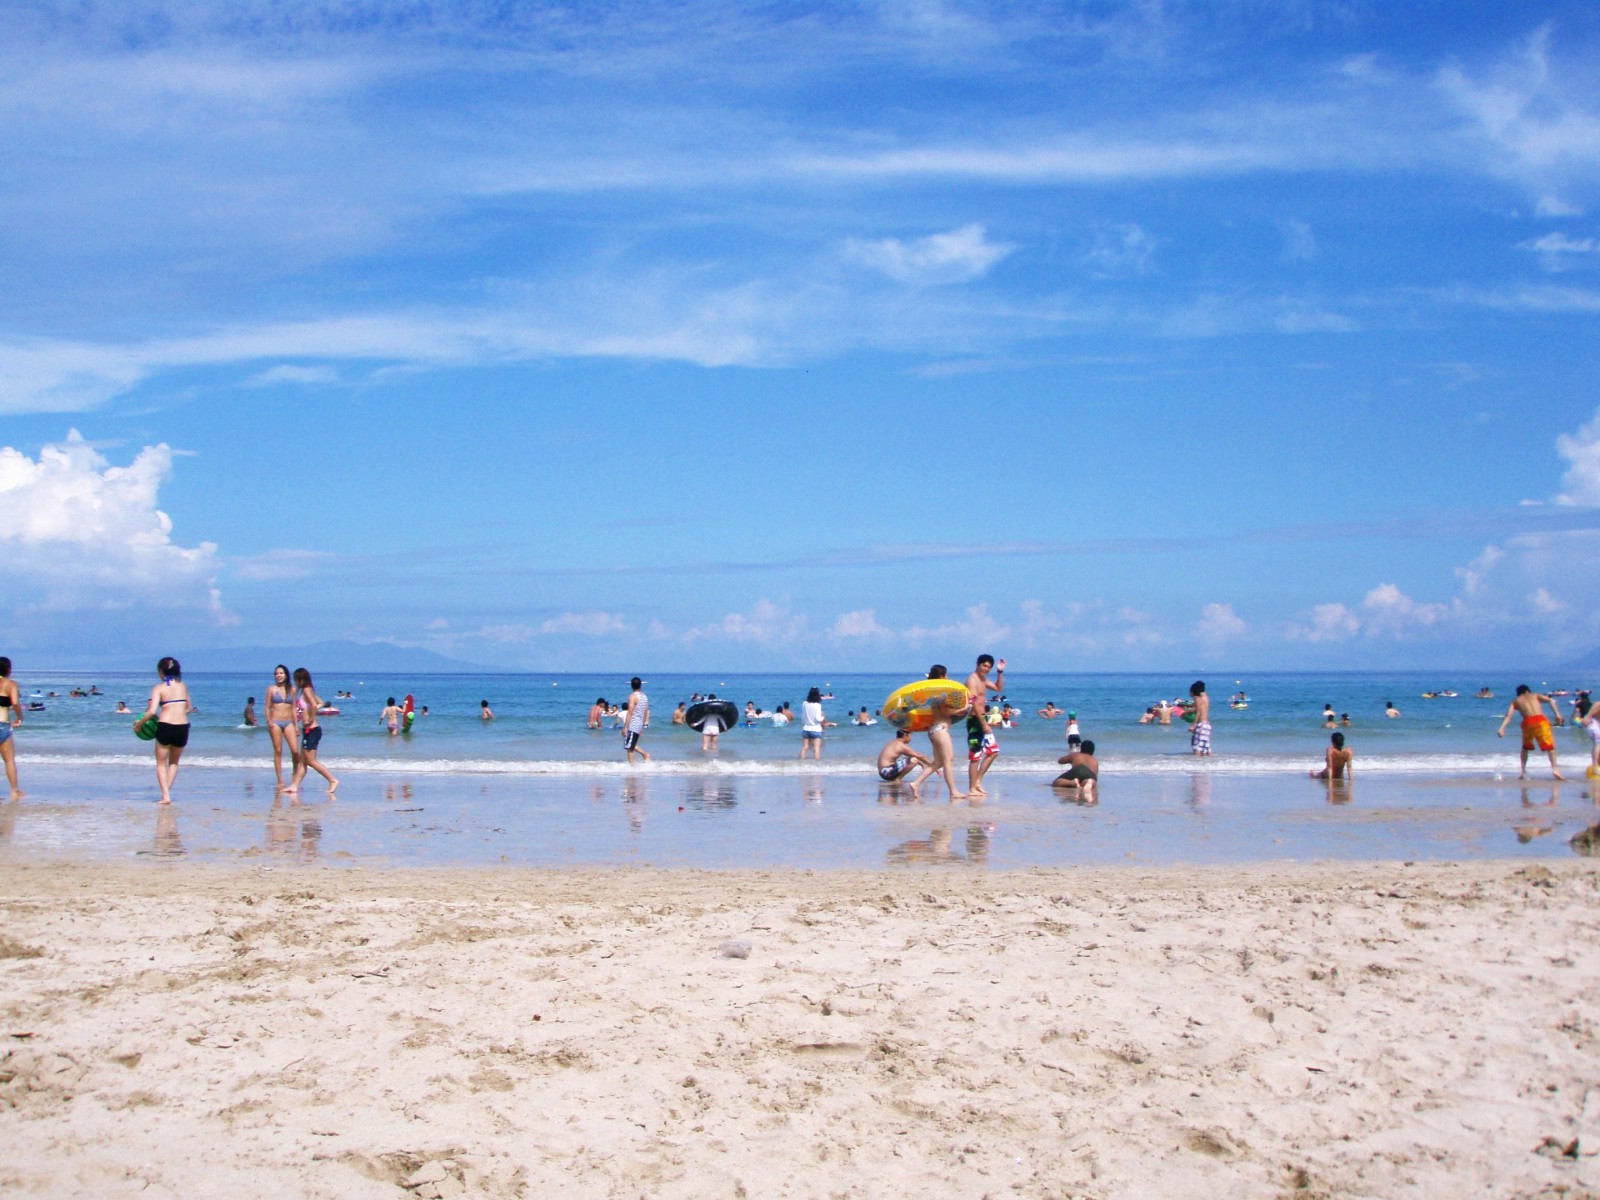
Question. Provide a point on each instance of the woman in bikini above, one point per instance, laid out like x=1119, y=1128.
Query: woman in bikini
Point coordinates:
x=311, y=735
x=282, y=723
x=10, y=717
x=169, y=704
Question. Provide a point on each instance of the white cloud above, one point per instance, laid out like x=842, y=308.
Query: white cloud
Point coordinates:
x=1558, y=252
x=1541, y=601
x=766, y=624
x=1326, y=623
x=1120, y=252
x=80, y=534
x=976, y=627
x=1474, y=573
x=1531, y=129
x=1219, y=624
x=585, y=624
x=289, y=373
x=1581, y=483
x=1389, y=610
x=955, y=257
x=862, y=623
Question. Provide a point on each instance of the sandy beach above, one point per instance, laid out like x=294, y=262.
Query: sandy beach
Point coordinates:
x=1315, y=1031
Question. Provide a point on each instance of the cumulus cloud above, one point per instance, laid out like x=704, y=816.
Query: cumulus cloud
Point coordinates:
x=1581, y=483
x=975, y=627
x=1218, y=625
x=80, y=534
x=1331, y=622
x=955, y=257
x=1389, y=610
x=863, y=623
x=768, y=623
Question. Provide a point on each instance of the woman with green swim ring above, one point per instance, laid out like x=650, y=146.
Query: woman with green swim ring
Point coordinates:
x=169, y=704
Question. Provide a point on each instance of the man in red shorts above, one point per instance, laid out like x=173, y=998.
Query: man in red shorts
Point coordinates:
x=1535, y=725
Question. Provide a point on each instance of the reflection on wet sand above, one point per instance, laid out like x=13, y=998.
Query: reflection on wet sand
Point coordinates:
x=8, y=821
x=1200, y=790
x=1587, y=841
x=167, y=843
x=1339, y=791
x=294, y=829
x=938, y=847
x=811, y=787
x=711, y=795
x=636, y=799
x=1534, y=823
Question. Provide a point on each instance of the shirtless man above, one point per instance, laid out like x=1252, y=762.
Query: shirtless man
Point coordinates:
x=1082, y=774
x=944, y=754
x=597, y=713
x=1050, y=711
x=1200, y=736
x=898, y=759
x=982, y=745
x=1337, y=761
x=1535, y=725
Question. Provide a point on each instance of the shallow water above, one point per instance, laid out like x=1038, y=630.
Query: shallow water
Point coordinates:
x=806, y=820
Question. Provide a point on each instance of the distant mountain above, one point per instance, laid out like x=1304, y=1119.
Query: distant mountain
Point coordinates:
x=378, y=658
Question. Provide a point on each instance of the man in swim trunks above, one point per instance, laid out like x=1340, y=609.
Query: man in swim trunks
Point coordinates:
x=636, y=720
x=1082, y=774
x=982, y=745
x=898, y=759
x=1535, y=725
x=1200, y=736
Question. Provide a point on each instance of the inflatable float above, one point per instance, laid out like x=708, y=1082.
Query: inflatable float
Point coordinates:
x=699, y=713
x=920, y=705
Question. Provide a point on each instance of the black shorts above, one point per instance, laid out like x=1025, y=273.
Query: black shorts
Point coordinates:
x=173, y=735
x=630, y=739
x=311, y=738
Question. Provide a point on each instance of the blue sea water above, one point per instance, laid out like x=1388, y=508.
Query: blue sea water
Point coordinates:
x=537, y=787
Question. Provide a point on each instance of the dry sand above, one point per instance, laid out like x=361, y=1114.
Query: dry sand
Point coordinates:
x=1379, y=1030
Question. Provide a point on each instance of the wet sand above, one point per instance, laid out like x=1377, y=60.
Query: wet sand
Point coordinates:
x=1271, y=1030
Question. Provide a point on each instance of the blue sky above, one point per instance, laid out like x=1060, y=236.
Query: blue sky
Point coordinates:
x=1156, y=336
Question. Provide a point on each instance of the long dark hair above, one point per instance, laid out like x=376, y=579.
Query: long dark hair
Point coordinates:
x=287, y=678
x=814, y=696
x=302, y=678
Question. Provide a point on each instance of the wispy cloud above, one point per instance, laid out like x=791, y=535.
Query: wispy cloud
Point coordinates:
x=955, y=257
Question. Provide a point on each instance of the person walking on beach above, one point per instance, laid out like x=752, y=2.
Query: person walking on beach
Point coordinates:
x=812, y=724
x=282, y=722
x=1200, y=737
x=10, y=718
x=982, y=745
x=636, y=720
x=169, y=704
x=944, y=754
x=1337, y=762
x=1535, y=725
x=311, y=738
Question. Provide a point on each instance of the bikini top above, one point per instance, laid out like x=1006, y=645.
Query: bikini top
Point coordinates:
x=179, y=700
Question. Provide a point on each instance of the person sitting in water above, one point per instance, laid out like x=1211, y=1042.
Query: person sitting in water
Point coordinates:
x=1344, y=719
x=1337, y=761
x=1389, y=710
x=899, y=758
x=249, y=711
x=1082, y=774
x=484, y=711
x=863, y=718
x=1149, y=716
x=1329, y=721
x=1050, y=712
x=122, y=707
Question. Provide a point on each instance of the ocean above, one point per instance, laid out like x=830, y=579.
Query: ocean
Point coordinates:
x=536, y=787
